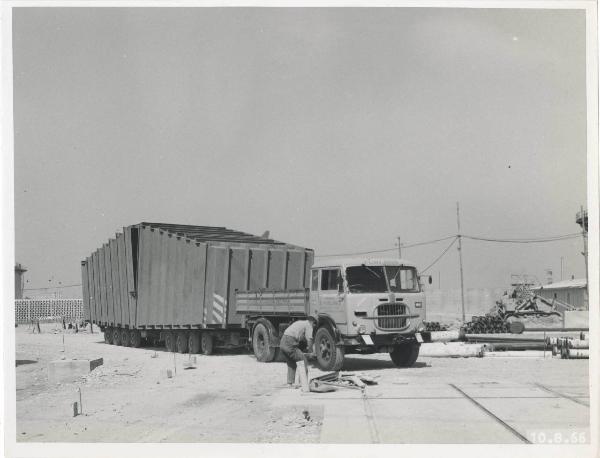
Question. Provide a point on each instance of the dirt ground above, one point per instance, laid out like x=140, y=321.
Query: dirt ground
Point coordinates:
x=228, y=397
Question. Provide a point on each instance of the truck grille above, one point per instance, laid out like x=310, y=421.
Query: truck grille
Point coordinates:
x=386, y=318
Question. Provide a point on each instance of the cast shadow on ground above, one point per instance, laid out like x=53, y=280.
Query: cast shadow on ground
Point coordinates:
x=362, y=364
x=20, y=362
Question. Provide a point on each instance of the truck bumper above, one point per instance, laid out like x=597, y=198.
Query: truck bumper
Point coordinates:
x=379, y=341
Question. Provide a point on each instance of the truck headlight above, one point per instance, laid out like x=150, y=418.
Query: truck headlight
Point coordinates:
x=418, y=305
x=362, y=329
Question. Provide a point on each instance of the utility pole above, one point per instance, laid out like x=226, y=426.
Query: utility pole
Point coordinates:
x=561, y=268
x=399, y=248
x=462, y=286
x=582, y=220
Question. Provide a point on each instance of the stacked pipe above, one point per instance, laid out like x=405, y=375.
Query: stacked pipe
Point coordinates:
x=434, y=326
x=569, y=347
x=487, y=324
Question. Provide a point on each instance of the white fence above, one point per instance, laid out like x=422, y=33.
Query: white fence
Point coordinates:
x=48, y=310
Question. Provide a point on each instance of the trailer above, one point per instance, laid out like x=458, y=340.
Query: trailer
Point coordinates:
x=175, y=284
x=197, y=288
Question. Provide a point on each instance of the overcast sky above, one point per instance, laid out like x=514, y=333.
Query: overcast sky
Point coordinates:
x=335, y=129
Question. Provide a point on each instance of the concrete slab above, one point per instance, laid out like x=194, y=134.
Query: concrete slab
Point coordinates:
x=68, y=370
x=439, y=421
x=534, y=415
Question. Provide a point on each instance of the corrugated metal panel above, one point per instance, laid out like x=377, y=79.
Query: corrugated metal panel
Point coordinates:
x=122, y=259
x=310, y=258
x=102, y=275
x=178, y=277
x=129, y=263
x=277, y=268
x=155, y=290
x=295, y=270
x=170, y=303
x=97, y=289
x=85, y=291
x=91, y=288
x=238, y=279
x=187, y=259
x=116, y=282
x=198, y=260
x=258, y=268
x=162, y=312
x=215, y=295
x=109, y=287
x=144, y=277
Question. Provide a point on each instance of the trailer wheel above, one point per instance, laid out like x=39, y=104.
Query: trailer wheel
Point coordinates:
x=108, y=335
x=329, y=356
x=125, y=337
x=261, y=344
x=207, y=343
x=405, y=355
x=194, y=342
x=169, y=341
x=181, y=342
x=116, y=336
x=135, y=338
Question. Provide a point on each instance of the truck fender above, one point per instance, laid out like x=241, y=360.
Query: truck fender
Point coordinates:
x=272, y=331
x=324, y=320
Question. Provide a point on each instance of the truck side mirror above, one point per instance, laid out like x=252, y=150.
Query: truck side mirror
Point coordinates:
x=340, y=284
x=430, y=280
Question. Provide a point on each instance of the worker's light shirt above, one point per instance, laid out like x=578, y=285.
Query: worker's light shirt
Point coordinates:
x=300, y=330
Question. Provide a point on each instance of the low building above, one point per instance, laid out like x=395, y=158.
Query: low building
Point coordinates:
x=573, y=292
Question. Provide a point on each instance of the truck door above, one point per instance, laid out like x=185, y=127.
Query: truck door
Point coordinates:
x=331, y=299
x=314, y=292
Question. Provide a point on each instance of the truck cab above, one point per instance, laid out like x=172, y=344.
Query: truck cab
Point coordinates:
x=366, y=305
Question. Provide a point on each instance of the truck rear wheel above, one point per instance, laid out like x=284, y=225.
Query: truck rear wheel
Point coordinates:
x=261, y=344
x=108, y=335
x=169, y=341
x=329, y=356
x=206, y=342
x=116, y=336
x=135, y=338
x=125, y=337
x=181, y=342
x=405, y=355
x=194, y=342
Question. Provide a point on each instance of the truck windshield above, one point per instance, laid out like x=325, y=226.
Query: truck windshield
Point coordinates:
x=402, y=278
x=377, y=279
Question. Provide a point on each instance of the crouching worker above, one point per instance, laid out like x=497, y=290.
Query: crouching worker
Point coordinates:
x=298, y=333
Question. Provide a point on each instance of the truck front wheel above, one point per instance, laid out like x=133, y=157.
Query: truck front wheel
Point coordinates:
x=405, y=355
x=261, y=344
x=206, y=343
x=329, y=356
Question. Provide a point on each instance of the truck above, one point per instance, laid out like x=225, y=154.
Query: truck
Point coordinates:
x=200, y=288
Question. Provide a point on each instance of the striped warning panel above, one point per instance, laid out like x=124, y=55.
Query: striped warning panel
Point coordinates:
x=218, y=309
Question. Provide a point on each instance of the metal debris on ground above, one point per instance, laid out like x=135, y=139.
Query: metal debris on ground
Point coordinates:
x=334, y=380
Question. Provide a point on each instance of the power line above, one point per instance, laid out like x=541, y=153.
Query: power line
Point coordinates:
x=52, y=287
x=523, y=240
x=440, y=256
x=410, y=245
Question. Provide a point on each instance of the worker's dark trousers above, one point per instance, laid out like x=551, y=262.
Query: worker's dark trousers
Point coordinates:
x=289, y=348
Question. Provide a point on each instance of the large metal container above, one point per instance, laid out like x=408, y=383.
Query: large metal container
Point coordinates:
x=156, y=276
